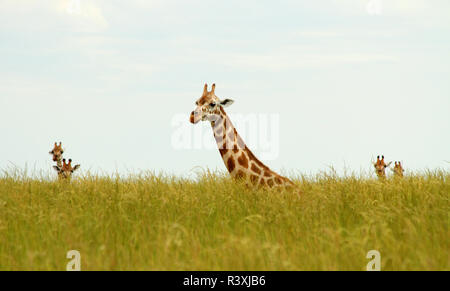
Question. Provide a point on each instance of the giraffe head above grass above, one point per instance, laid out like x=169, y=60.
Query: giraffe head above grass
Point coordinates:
x=209, y=107
x=57, y=152
x=66, y=170
x=398, y=169
x=241, y=163
x=380, y=167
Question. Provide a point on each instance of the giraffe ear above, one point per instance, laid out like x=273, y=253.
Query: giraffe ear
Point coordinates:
x=226, y=102
x=76, y=167
x=57, y=169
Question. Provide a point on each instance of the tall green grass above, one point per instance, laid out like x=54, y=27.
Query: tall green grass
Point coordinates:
x=150, y=222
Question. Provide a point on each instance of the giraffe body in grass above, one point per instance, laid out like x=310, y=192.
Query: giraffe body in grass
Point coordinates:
x=237, y=157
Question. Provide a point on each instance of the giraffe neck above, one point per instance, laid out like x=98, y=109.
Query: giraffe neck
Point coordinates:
x=227, y=139
x=59, y=162
x=59, y=165
x=237, y=157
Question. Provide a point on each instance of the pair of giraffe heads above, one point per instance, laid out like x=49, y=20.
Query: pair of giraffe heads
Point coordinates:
x=209, y=107
x=381, y=166
x=63, y=168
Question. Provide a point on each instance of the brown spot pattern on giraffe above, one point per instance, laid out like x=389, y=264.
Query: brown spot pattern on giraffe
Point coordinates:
x=252, y=157
x=223, y=152
x=240, y=175
x=262, y=182
x=243, y=161
x=230, y=164
x=278, y=180
x=256, y=169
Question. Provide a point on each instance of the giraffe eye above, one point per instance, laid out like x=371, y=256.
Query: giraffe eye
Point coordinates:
x=212, y=104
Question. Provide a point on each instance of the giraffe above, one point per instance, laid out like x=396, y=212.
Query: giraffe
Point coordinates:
x=239, y=160
x=380, y=167
x=398, y=170
x=66, y=171
x=56, y=153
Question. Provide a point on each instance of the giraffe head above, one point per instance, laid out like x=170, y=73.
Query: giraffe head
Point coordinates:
x=209, y=106
x=398, y=169
x=66, y=170
x=57, y=152
x=380, y=167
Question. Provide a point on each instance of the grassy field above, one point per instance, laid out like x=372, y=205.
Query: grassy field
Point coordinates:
x=162, y=223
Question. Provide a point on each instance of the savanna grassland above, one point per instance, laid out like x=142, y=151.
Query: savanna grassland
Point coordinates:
x=149, y=222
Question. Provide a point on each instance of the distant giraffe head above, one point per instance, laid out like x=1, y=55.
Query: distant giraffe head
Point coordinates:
x=209, y=106
x=398, y=169
x=57, y=152
x=380, y=167
x=66, y=171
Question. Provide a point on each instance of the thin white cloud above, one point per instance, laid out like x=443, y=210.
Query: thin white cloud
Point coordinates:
x=424, y=11
x=71, y=15
x=85, y=16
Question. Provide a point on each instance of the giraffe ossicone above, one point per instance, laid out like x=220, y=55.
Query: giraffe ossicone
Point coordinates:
x=237, y=157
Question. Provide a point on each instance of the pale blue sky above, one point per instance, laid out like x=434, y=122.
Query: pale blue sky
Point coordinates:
x=108, y=79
